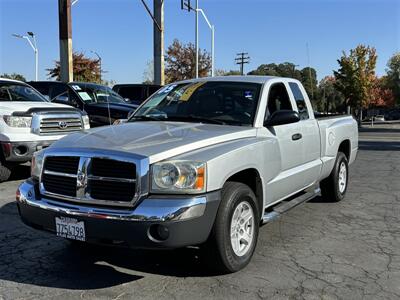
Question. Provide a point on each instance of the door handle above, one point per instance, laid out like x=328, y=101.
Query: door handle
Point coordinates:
x=296, y=136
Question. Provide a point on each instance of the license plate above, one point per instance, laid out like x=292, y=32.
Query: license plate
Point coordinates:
x=70, y=228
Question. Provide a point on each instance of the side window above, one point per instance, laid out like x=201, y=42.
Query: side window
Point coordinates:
x=278, y=99
x=42, y=88
x=300, y=102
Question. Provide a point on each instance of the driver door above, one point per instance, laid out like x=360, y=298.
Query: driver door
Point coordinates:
x=289, y=136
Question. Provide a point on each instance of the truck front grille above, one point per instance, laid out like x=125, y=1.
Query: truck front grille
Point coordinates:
x=59, y=184
x=62, y=164
x=60, y=125
x=91, y=180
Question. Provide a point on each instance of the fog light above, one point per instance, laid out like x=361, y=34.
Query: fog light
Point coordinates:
x=158, y=232
x=21, y=150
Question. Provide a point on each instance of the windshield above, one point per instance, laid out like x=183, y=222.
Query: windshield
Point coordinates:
x=11, y=91
x=91, y=93
x=217, y=102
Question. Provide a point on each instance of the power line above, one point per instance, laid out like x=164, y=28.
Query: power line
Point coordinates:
x=241, y=59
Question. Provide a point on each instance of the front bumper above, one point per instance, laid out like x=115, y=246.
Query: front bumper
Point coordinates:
x=22, y=151
x=183, y=220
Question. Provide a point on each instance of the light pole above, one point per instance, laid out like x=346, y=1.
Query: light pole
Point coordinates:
x=31, y=37
x=186, y=5
x=99, y=57
x=197, y=38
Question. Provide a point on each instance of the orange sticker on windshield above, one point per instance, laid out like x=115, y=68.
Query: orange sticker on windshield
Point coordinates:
x=190, y=90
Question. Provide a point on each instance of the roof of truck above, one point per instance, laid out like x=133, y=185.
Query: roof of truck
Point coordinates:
x=247, y=78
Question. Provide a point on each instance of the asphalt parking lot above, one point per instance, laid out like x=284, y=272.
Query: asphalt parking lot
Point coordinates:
x=346, y=250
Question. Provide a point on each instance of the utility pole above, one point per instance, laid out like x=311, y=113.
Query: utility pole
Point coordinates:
x=65, y=33
x=241, y=59
x=158, y=39
x=197, y=38
x=159, y=42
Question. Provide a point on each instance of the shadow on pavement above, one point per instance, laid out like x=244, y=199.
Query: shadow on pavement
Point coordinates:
x=38, y=258
x=379, y=146
x=20, y=172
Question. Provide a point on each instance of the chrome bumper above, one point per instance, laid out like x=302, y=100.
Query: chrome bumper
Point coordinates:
x=154, y=208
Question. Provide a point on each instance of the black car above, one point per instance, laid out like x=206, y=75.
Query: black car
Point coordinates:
x=135, y=93
x=100, y=102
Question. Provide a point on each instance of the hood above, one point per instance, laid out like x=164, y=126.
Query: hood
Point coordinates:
x=157, y=140
x=8, y=107
x=115, y=106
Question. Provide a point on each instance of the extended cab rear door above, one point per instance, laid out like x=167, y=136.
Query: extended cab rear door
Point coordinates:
x=312, y=163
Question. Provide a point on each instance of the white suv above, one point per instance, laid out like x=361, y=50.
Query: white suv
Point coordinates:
x=28, y=122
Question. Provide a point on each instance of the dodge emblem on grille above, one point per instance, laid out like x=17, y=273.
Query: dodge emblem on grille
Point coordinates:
x=81, y=180
x=62, y=124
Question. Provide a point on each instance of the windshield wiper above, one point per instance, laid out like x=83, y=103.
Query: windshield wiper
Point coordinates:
x=192, y=118
x=145, y=118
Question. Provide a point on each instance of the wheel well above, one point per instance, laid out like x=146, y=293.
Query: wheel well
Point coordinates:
x=251, y=178
x=345, y=148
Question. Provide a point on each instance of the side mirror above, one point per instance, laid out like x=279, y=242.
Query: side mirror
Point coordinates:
x=282, y=117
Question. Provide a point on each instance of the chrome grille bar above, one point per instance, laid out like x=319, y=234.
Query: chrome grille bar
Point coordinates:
x=95, y=189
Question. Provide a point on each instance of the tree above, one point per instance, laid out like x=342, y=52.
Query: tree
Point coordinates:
x=307, y=76
x=393, y=75
x=381, y=95
x=226, y=73
x=309, y=81
x=14, y=76
x=356, y=75
x=85, y=69
x=180, y=62
x=330, y=99
x=285, y=69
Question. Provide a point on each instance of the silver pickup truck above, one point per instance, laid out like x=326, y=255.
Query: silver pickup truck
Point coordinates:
x=201, y=162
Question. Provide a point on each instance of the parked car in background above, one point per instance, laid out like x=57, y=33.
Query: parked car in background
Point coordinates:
x=201, y=162
x=28, y=122
x=379, y=118
x=135, y=93
x=100, y=102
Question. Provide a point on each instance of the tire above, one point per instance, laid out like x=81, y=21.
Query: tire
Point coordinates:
x=334, y=187
x=232, y=254
x=5, y=172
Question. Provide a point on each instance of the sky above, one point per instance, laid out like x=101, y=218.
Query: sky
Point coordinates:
x=271, y=31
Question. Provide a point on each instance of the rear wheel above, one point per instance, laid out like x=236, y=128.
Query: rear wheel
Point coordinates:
x=235, y=232
x=333, y=188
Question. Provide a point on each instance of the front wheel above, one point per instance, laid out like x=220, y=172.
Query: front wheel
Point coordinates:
x=235, y=232
x=334, y=187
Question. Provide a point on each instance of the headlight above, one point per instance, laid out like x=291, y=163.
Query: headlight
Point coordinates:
x=179, y=177
x=86, y=122
x=14, y=121
x=37, y=164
